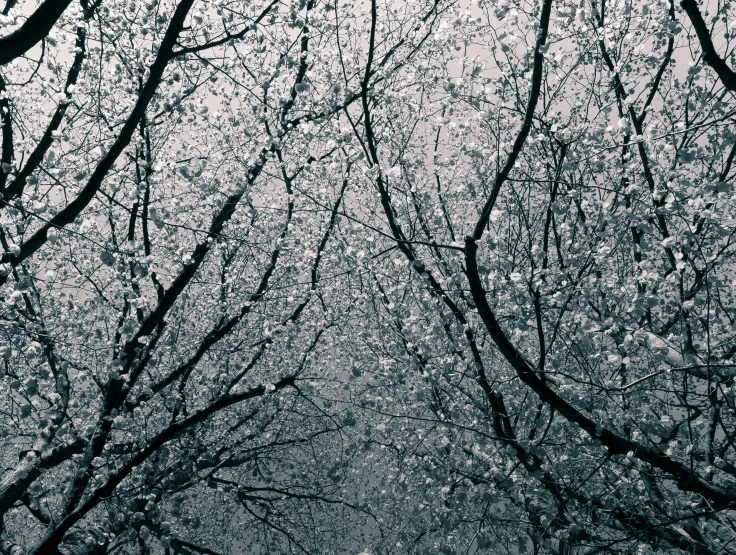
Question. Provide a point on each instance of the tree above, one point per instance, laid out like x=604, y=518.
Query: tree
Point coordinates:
x=164, y=236
x=562, y=198
x=425, y=278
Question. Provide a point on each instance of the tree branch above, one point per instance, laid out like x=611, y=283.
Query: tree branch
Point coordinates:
x=35, y=28
x=711, y=57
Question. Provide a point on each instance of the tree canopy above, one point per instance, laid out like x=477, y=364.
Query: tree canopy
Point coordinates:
x=304, y=276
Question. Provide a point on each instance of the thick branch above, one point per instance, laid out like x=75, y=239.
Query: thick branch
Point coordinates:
x=16, y=483
x=35, y=28
x=686, y=478
x=711, y=57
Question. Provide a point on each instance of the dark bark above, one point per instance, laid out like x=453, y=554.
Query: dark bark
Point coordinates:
x=88, y=192
x=17, y=185
x=16, y=483
x=710, y=55
x=686, y=478
x=51, y=542
x=526, y=126
x=35, y=28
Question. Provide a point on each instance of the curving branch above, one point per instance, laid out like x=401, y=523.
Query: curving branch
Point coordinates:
x=526, y=126
x=228, y=36
x=16, y=483
x=35, y=28
x=686, y=478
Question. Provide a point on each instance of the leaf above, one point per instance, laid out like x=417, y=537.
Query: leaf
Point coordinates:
x=107, y=258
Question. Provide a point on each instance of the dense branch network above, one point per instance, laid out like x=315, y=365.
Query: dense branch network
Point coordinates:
x=429, y=278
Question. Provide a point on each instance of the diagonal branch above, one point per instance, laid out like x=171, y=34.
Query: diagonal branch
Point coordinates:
x=15, y=188
x=526, y=126
x=711, y=57
x=88, y=192
x=686, y=478
x=50, y=542
x=35, y=28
